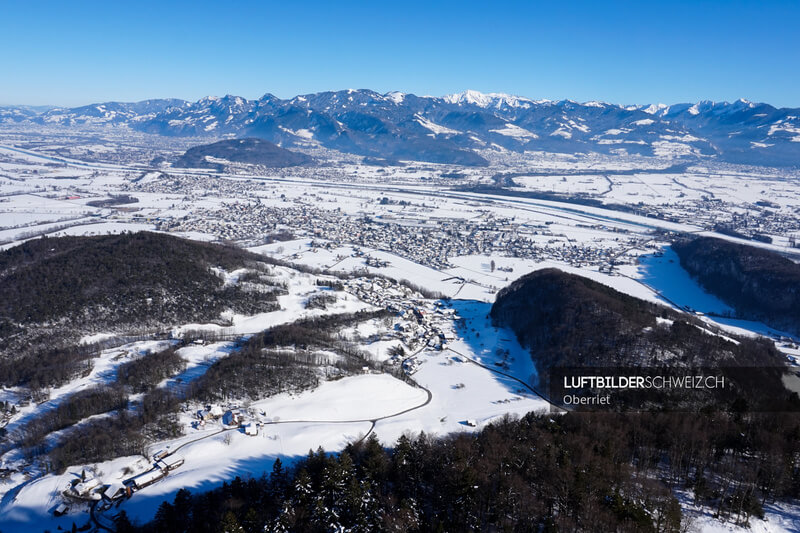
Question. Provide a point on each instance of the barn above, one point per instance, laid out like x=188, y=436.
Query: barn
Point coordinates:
x=148, y=478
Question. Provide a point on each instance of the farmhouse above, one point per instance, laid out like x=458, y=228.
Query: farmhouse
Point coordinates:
x=160, y=455
x=232, y=418
x=211, y=412
x=85, y=487
x=148, y=478
x=115, y=491
x=168, y=464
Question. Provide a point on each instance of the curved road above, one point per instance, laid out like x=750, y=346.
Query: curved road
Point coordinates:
x=372, y=421
x=429, y=396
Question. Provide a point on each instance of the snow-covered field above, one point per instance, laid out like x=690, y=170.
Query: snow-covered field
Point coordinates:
x=300, y=287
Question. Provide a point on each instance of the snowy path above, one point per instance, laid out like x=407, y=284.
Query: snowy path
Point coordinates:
x=490, y=369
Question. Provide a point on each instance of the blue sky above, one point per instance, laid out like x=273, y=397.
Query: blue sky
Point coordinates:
x=76, y=52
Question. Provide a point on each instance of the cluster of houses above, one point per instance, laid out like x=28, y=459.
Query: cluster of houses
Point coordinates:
x=88, y=488
x=164, y=464
x=427, y=324
x=231, y=418
x=420, y=321
x=209, y=413
x=411, y=365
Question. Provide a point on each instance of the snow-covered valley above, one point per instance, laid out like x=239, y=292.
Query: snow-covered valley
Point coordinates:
x=429, y=248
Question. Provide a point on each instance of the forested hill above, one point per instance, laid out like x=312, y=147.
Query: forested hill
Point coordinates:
x=54, y=289
x=567, y=320
x=250, y=150
x=758, y=283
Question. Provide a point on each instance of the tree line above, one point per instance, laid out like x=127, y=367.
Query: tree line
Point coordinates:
x=576, y=472
x=572, y=472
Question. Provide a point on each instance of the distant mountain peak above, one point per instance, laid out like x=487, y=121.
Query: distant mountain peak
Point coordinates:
x=655, y=109
x=460, y=128
x=395, y=96
x=486, y=100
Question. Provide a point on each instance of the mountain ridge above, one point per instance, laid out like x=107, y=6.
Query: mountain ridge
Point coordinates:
x=458, y=128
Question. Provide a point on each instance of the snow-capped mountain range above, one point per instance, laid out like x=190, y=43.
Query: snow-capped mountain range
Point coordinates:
x=458, y=128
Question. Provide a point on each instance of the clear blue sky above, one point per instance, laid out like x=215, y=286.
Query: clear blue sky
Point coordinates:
x=78, y=52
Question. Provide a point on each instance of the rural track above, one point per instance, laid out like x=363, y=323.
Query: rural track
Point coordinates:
x=95, y=520
x=510, y=376
x=372, y=421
